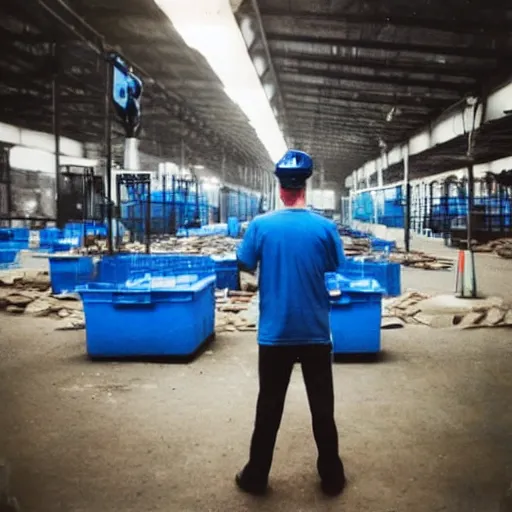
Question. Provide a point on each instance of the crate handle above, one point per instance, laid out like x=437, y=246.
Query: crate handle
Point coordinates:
x=131, y=299
x=343, y=300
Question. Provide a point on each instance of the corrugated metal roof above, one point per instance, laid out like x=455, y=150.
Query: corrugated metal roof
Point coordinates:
x=356, y=76
x=183, y=97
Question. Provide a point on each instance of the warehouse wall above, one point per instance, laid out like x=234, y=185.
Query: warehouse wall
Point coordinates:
x=398, y=234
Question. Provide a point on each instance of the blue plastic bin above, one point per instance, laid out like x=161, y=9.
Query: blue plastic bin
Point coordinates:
x=20, y=234
x=379, y=244
x=123, y=267
x=387, y=273
x=356, y=317
x=233, y=227
x=148, y=322
x=8, y=256
x=69, y=272
x=49, y=237
x=227, y=272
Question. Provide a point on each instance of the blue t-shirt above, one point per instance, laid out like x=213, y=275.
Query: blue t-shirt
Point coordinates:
x=294, y=248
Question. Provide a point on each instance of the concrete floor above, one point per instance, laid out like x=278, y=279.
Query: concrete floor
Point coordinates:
x=426, y=429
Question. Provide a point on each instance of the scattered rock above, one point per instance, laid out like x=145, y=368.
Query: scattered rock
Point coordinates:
x=392, y=323
x=10, y=277
x=63, y=313
x=16, y=299
x=15, y=310
x=443, y=321
x=423, y=319
x=40, y=307
x=507, y=320
x=471, y=319
x=494, y=316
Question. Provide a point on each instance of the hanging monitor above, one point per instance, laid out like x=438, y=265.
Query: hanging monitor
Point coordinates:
x=126, y=94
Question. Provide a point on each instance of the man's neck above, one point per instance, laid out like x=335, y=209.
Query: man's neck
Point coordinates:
x=300, y=205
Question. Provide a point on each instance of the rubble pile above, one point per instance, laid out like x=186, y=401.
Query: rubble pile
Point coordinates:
x=204, y=245
x=236, y=311
x=411, y=308
x=414, y=259
x=418, y=259
x=356, y=246
x=502, y=247
x=29, y=293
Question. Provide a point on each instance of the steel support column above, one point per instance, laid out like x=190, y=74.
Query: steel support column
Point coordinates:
x=57, y=119
x=407, y=191
x=108, y=153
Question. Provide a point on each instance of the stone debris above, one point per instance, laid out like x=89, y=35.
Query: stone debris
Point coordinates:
x=418, y=259
x=29, y=293
x=204, y=245
x=414, y=259
x=502, y=247
x=236, y=311
x=416, y=308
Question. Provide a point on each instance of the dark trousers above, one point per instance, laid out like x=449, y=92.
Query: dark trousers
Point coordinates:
x=275, y=368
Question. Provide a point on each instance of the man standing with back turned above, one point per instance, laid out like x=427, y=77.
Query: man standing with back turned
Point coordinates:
x=294, y=248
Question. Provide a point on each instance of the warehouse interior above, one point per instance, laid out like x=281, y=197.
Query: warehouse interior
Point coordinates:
x=138, y=141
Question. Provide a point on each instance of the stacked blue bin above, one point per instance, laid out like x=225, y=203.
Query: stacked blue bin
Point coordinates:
x=208, y=230
x=233, y=227
x=67, y=272
x=388, y=274
x=356, y=312
x=150, y=305
x=8, y=254
x=227, y=272
x=381, y=245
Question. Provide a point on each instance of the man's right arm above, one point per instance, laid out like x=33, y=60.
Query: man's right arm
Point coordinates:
x=248, y=253
x=336, y=252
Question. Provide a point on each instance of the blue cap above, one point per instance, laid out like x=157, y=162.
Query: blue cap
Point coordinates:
x=294, y=169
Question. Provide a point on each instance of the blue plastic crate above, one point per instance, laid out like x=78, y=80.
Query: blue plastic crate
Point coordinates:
x=148, y=322
x=8, y=256
x=356, y=317
x=233, y=227
x=227, y=272
x=388, y=274
x=20, y=234
x=69, y=272
x=379, y=244
x=49, y=236
x=123, y=267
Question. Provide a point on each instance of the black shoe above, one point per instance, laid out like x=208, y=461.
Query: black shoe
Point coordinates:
x=245, y=485
x=334, y=487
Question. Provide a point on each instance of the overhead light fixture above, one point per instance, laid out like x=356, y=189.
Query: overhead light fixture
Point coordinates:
x=209, y=27
x=391, y=115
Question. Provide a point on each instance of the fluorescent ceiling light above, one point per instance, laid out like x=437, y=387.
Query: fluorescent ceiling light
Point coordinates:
x=209, y=27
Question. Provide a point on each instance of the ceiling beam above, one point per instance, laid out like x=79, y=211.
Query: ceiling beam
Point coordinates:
x=319, y=100
x=456, y=21
x=423, y=67
x=376, y=98
x=358, y=88
x=430, y=49
x=378, y=79
x=296, y=104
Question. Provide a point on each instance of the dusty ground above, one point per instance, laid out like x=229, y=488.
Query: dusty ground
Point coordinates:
x=426, y=429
